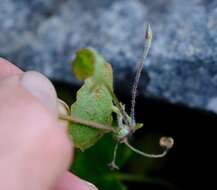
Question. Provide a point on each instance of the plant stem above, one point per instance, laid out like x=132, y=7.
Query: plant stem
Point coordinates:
x=92, y=124
x=147, y=45
x=145, y=154
x=117, y=103
x=113, y=165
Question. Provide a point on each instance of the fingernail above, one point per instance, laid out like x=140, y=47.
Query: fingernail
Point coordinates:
x=42, y=88
x=63, y=110
x=90, y=185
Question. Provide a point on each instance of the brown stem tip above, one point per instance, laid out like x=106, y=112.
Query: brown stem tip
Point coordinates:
x=166, y=142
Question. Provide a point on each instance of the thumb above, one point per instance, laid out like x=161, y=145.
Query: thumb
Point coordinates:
x=43, y=89
x=33, y=146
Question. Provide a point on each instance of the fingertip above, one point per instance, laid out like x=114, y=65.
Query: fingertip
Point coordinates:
x=70, y=181
x=8, y=69
x=41, y=88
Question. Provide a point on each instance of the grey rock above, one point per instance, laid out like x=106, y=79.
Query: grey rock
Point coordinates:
x=182, y=65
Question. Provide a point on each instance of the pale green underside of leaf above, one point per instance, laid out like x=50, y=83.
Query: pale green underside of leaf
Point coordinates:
x=94, y=103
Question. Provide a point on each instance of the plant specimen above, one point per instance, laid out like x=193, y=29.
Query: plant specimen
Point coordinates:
x=90, y=116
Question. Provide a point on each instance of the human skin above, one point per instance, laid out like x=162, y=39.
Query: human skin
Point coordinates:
x=35, y=151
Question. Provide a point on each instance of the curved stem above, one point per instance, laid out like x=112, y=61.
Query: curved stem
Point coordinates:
x=145, y=154
x=87, y=123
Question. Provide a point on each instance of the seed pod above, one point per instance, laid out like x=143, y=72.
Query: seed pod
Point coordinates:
x=166, y=142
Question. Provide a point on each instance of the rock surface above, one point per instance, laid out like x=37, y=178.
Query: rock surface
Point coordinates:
x=182, y=66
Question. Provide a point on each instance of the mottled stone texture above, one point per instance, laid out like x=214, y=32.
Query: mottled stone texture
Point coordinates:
x=182, y=67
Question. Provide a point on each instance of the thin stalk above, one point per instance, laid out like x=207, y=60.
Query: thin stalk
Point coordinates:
x=113, y=165
x=147, y=45
x=146, y=154
x=117, y=103
x=87, y=123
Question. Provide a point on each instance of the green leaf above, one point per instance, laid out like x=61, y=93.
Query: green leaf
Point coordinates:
x=83, y=64
x=94, y=104
x=92, y=165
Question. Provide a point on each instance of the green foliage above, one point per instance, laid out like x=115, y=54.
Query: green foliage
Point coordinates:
x=91, y=118
x=92, y=164
x=93, y=101
x=83, y=65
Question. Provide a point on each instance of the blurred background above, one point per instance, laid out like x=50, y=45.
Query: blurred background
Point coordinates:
x=177, y=91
